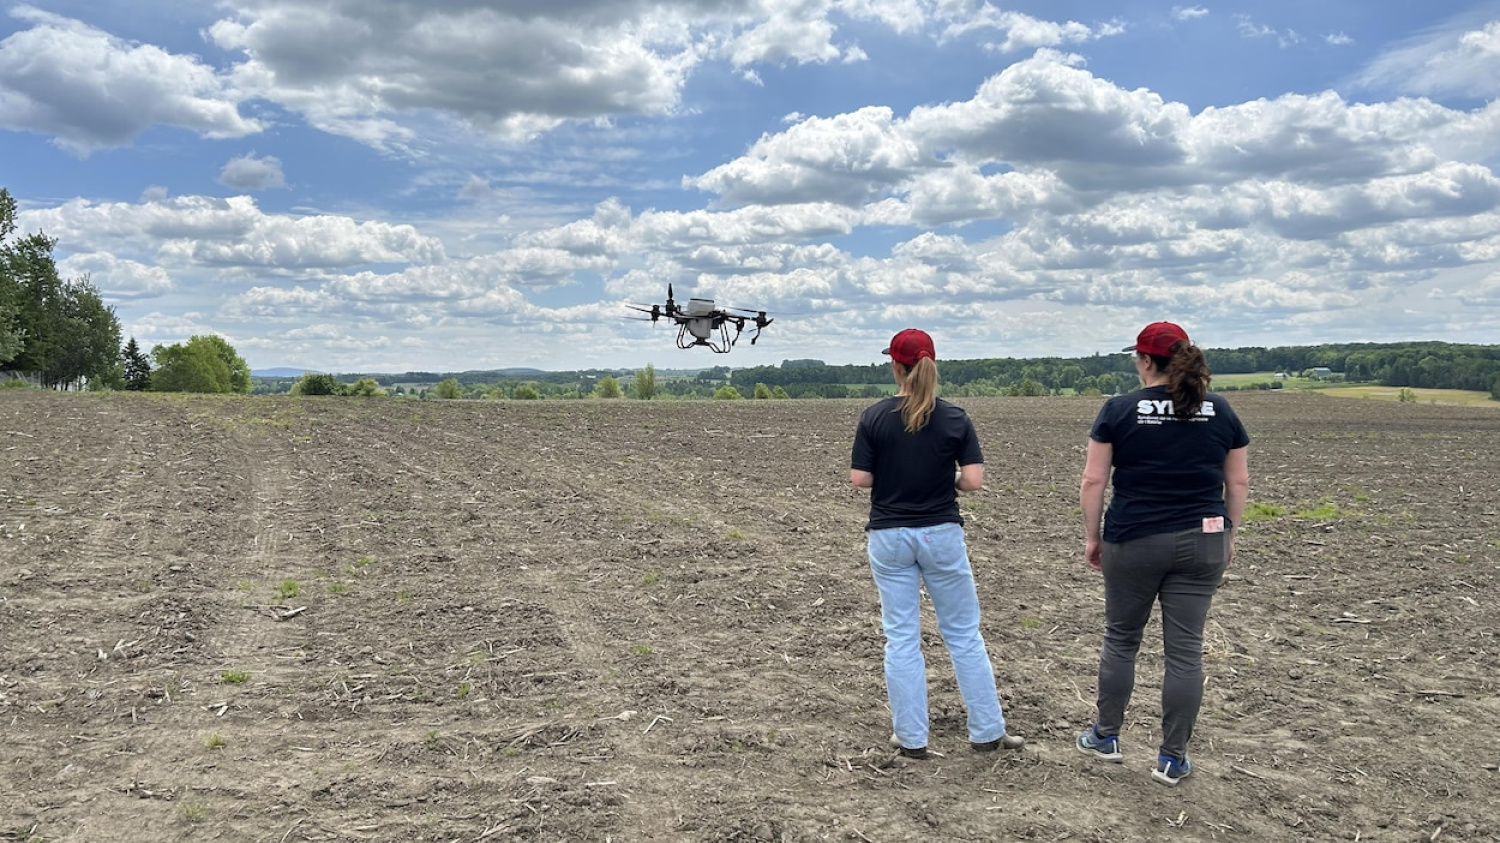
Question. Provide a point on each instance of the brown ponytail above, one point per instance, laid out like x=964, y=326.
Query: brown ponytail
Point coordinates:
x=1188, y=377
x=919, y=393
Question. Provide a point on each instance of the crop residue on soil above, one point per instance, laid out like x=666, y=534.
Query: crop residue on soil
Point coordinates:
x=281, y=619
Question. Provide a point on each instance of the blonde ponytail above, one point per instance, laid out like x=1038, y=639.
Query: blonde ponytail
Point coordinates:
x=919, y=394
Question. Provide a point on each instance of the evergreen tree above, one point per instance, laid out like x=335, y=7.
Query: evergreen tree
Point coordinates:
x=137, y=368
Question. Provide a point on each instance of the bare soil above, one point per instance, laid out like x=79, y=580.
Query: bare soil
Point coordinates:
x=280, y=619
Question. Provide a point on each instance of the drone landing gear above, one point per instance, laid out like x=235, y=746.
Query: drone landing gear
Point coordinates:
x=691, y=335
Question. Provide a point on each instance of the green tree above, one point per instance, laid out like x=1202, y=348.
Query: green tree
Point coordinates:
x=202, y=364
x=1029, y=388
x=312, y=383
x=59, y=331
x=645, y=383
x=779, y=392
x=137, y=367
x=727, y=393
x=762, y=391
x=448, y=390
x=12, y=335
x=90, y=334
x=608, y=387
x=525, y=392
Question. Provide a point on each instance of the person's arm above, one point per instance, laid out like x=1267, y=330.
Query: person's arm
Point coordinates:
x=861, y=479
x=970, y=477
x=1236, y=490
x=1091, y=497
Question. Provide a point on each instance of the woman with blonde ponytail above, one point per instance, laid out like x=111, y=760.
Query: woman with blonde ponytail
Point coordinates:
x=915, y=452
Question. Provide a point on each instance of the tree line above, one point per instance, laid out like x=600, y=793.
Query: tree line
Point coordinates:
x=1428, y=365
x=1432, y=365
x=59, y=334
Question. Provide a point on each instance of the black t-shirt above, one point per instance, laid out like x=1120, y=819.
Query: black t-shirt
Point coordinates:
x=914, y=471
x=1168, y=471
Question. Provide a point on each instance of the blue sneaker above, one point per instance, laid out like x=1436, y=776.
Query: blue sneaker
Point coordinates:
x=1169, y=771
x=1093, y=744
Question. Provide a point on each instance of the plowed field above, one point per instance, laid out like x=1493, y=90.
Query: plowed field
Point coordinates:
x=280, y=619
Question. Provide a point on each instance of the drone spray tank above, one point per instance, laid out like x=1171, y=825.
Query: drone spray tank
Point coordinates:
x=700, y=322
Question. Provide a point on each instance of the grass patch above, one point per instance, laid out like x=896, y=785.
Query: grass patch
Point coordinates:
x=234, y=677
x=1464, y=397
x=1257, y=511
x=1325, y=510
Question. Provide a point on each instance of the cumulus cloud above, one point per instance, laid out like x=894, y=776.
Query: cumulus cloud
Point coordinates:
x=1063, y=135
x=90, y=90
x=248, y=172
x=381, y=72
x=116, y=277
x=361, y=68
x=233, y=232
x=847, y=158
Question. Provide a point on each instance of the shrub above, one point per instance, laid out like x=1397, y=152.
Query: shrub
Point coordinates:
x=315, y=384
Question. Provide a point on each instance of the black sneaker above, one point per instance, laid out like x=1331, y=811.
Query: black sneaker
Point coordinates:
x=1002, y=742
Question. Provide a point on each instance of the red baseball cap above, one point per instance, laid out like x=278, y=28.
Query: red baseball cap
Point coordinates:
x=909, y=346
x=1158, y=338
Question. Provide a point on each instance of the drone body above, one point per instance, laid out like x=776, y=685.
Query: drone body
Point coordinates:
x=701, y=323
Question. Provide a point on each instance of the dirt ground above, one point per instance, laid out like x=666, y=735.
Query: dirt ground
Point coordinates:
x=281, y=619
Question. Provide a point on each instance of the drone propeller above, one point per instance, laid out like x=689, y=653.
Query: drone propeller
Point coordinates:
x=654, y=310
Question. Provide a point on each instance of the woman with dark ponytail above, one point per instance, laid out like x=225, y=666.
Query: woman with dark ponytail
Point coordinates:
x=1177, y=456
x=915, y=452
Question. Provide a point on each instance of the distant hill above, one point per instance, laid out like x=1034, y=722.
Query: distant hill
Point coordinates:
x=281, y=372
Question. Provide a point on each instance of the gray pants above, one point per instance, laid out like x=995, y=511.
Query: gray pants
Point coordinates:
x=1182, y=570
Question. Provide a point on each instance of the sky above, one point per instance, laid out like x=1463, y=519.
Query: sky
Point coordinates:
x=452, y=185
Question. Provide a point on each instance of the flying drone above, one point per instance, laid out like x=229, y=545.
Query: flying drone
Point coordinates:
x=700, y=323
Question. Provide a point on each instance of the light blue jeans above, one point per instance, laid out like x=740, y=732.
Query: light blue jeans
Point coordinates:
x=902, y=559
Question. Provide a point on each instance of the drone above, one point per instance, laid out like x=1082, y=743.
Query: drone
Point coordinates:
x=700, y=323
